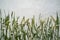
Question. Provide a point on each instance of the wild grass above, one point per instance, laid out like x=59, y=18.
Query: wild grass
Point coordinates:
x=28, y=29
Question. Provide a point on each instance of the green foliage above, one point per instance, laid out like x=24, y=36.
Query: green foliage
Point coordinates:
x=29, y=30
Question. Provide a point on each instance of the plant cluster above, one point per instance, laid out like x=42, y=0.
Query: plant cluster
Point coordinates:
x=28, y=29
